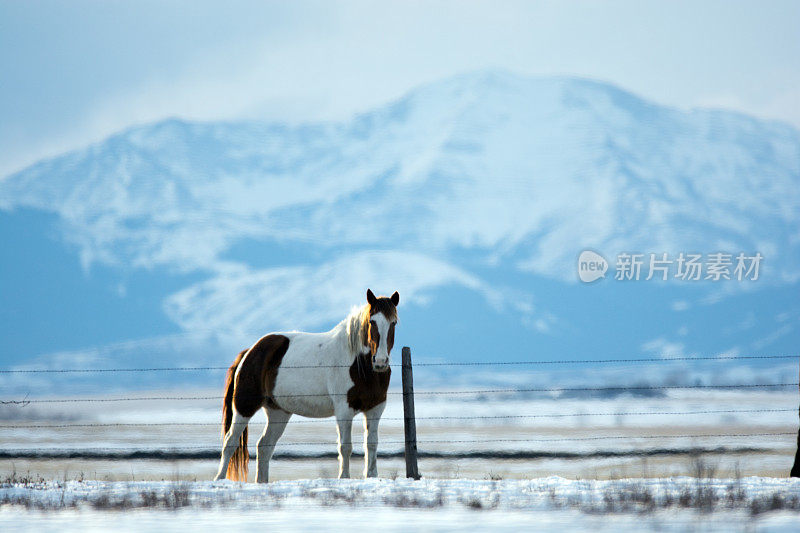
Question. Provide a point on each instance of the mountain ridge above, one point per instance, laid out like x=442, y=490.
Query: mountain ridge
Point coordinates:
x=483, y=187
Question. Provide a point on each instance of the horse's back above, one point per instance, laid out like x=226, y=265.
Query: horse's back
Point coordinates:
x=307, y=374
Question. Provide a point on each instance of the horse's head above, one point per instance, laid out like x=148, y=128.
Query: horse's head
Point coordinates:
x=380, y=329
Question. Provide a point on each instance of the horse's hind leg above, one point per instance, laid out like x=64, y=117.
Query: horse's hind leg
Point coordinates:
x=276, y=424
x=230, y=443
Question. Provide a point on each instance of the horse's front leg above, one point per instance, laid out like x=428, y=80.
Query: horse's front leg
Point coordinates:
x=371, y=418
x=344, y=427
x=276, y=424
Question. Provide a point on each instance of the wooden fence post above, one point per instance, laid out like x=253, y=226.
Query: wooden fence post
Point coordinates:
x=410, y=424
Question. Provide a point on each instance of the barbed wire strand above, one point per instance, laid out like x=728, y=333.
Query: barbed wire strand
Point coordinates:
x=434, y=441
x=329, y=420
x=621, y=388
x=658, y=359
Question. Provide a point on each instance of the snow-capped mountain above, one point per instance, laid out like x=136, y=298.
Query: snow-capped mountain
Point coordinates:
x=472, y=196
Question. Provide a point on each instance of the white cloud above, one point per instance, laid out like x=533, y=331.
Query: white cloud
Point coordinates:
x=680, y=305
x=765, y=341
x=662, y=347
x=730, y=353
x=141, y=353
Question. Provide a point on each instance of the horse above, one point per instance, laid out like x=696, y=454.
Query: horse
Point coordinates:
x=339, y=373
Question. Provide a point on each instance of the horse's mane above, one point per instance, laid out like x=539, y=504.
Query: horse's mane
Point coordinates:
x=356, y=323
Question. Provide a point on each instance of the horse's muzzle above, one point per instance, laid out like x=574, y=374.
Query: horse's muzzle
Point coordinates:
x=380, y=368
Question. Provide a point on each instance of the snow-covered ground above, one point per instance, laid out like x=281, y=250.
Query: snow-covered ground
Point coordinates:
x=710, y=460
x=752, y=432
x=669, y=504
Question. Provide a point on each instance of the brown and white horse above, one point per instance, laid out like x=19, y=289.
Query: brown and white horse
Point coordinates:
x=339, y=373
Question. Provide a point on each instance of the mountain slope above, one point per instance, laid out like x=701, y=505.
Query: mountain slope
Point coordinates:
x=485, y=186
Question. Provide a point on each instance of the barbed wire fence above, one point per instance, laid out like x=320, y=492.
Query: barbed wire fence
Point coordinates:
x=659, y=359
x=410, y=442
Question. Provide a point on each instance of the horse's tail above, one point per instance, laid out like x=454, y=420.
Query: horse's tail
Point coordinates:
x=237, y=467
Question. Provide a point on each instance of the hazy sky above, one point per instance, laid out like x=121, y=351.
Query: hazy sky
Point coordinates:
x=74, y=72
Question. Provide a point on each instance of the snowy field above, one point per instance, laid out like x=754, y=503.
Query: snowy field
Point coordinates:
x=513, y=436
x=669, y=504
x=708, y=460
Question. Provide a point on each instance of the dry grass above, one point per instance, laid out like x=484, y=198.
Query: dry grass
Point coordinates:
x=176, y=497
x=703, y=493
x=702, y=497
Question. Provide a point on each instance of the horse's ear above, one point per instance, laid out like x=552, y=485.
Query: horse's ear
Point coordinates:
x=371, y=298
x=396, y=298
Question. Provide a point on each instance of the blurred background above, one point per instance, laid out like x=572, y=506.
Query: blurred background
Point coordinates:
x=178, y=179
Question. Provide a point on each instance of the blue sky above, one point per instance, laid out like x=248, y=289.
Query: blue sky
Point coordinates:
x=74, y=72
